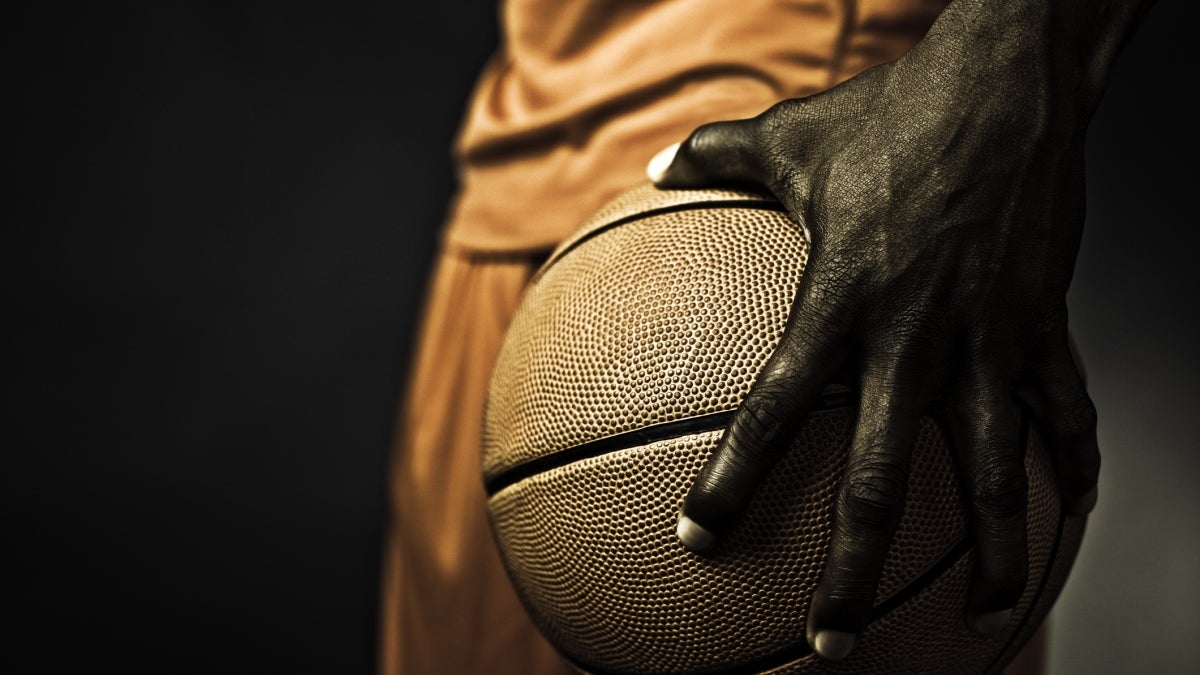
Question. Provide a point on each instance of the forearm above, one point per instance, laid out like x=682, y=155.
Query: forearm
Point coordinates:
x=1098, y=30
x=1060, y=49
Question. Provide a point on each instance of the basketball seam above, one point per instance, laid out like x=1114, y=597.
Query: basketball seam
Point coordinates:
x=802, y=649
x=748, y=204
x=637, y=437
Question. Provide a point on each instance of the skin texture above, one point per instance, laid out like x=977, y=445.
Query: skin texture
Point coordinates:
x=944, y=194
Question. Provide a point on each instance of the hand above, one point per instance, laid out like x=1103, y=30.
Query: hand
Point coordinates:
x=943, y=194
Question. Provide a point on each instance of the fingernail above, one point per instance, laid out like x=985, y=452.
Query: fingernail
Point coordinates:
x=834, y=645
x=660, y=162
x=990, y=623
x=693, y=535
x=1085, y=504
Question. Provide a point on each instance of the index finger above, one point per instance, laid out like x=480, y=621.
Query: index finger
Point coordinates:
x=766, y=421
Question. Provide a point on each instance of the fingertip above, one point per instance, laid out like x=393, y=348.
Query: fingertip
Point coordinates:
x=990, y=623
x=693, y=535
x=656, y=169
x=833, y=645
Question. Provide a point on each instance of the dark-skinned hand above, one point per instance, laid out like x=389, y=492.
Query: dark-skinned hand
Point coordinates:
x=944, y=197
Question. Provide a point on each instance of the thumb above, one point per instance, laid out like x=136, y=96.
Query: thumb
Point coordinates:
x=721, y=153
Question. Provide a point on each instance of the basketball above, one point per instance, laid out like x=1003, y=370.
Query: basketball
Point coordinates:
x=631, y=348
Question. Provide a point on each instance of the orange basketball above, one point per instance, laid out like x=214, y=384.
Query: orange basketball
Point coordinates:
x=631, y=348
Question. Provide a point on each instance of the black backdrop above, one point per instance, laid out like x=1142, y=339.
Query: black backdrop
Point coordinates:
x=228, y=211
x=223, y=220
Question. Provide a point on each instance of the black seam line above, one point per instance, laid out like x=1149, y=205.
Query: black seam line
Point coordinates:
x=601, y=446
x=754, y=203
x=802, y=649
x=643, y=436
x=951, y=558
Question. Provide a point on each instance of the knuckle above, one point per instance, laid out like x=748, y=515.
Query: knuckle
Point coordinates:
x=849, y=588
x=832, y=289
x=871, y=497
x=773, y=136
x=759, y=424
x=911, y=320
x=1001, y=490
x=1078, y=422
x=897, y=366
x=777, y=120
x=702, y=140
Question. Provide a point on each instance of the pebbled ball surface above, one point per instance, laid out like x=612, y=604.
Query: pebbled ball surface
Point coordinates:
x=662, y=308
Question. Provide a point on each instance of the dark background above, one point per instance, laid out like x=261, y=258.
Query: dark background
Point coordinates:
x=222, y=222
